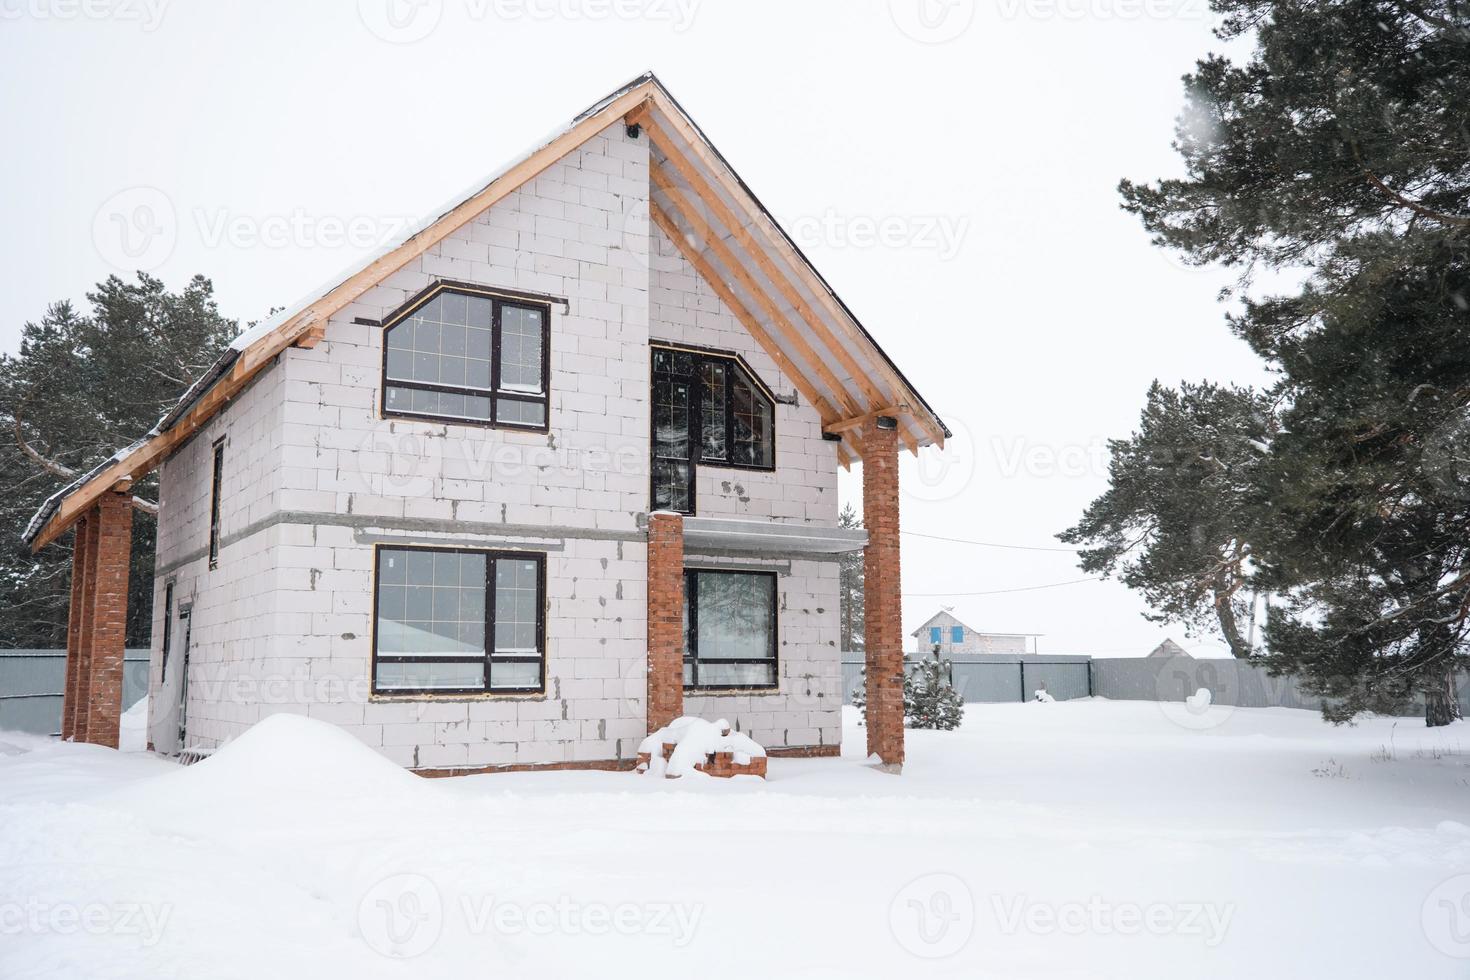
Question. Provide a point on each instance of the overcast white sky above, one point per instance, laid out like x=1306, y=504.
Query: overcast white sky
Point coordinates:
x=275, y=141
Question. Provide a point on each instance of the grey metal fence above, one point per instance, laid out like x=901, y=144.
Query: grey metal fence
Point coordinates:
x=1230, y=682
x=993, y=678
x=31, y=682
x=1000, y=678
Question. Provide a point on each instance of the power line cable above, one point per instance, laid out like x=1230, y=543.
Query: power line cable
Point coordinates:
x=1024, y=588
x=988, y=544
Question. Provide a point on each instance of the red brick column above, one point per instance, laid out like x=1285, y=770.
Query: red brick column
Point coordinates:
x=105, y=628
x=883, y=626
x=87, y=531
x=74, y=630
x=665, y=619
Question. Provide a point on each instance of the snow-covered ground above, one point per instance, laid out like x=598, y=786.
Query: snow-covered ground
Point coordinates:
x=1075, y=839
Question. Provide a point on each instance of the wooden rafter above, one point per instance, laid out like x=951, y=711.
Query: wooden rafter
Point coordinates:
x=782, y=325
x=782, y=247
x=711, y=199
x=846, y=425
x=727, y=296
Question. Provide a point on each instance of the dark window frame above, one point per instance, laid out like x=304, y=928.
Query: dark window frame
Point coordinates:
x=491, y=556
x=691, y=632
x=216, y=493
x=168, y=629
x=695, y=412
x=499, y=300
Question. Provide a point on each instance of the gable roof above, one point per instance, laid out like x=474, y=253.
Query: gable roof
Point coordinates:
x=709, y=213
x=1169, y=649
x=948, y=613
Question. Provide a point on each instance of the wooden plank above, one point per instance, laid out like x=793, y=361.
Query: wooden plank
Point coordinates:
x=728, y=297
x=782, y=247
x=743, y=238
x=858, y=420
x=782, y=324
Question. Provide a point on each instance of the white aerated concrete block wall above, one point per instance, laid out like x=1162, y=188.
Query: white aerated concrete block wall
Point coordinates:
x=343, y=480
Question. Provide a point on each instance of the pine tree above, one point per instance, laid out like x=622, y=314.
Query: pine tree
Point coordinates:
x=1339, y=148
x=850, y=588
x=1177, y=522
x=81, y=387
x=929, y=698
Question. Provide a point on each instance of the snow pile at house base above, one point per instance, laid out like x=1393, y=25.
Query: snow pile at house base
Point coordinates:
x=692, y=745
x=1199, y=700
x=1044, y=697
x=283, y=771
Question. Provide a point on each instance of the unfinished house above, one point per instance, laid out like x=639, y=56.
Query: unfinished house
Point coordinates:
x=556, y=469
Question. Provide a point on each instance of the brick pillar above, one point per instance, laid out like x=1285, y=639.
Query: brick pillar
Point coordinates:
x=74, y=631
x=665, y=619
x=86, y=616
x=106, y=627
x=883, y=626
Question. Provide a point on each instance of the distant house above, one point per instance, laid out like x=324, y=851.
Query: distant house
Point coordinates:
x=955, y=638
x=1169, y=649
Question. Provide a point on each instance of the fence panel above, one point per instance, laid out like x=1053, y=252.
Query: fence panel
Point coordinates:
x=31, y=682
x=996, y=678
x=1230, y=682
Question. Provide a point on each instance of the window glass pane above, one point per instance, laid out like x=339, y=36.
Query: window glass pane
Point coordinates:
x=433, y=605
x=957, y=634
x=736, y=617
x=712, y=426
x=752, y=423
x=671, y=480
x=934, y=634
x=520, y=349
x=513, y=675
x=417, y=401
x=513, y=411
x=431, y=676
x=671, y=418
x=517, y=601
x=433, y=344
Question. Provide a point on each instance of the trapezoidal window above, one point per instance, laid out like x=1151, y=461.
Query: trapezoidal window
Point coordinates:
x=708, y=408
x=463, y=356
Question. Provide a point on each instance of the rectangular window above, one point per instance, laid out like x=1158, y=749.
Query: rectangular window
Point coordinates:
x=729, y=629
x=957, y=634
x=934, y=634
x=471, y=357
x=168, y=630
x=708, y=408
x=459, y=622
x=214, y=502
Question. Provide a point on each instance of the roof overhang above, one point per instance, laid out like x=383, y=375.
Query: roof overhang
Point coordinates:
x=711, y=216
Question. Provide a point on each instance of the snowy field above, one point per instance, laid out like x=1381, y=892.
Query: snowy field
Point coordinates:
x=1077, y=839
